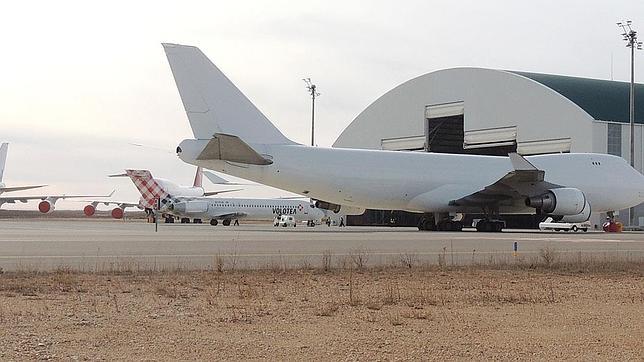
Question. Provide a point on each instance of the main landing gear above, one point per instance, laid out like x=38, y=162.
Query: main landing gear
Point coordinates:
x=445, y=223
x=225, y=222
x=490, y=223
x=490, y=226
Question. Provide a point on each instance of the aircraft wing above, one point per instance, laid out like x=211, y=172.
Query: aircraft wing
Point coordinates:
x=121, y=204
x=19, y=188
x=524, y=181
x=53, y=198
x=230, y=215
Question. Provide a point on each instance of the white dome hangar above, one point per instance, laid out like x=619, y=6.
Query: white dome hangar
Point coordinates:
x=494, y=112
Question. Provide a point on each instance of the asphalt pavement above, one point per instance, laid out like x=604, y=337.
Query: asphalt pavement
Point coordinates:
x=109, y=245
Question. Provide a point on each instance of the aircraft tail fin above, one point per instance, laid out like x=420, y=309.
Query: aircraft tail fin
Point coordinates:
x=213, y=103
x=149, y=188
x=198, y=178
x=3, y=158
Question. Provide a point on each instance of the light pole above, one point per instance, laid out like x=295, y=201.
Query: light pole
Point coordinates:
x=313, y=92
x=630, y=36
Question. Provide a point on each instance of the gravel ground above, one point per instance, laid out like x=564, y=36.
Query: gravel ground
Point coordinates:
x=364, y=315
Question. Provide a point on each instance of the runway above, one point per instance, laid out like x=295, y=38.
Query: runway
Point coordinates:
x=102, y=245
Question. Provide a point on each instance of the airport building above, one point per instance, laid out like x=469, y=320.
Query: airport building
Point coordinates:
x=494, y=112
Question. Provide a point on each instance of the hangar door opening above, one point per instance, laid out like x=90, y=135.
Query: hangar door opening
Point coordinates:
x=444, y=127
x=445, y=133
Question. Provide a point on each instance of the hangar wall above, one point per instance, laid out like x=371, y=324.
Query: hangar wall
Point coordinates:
x=502, y=104
x=491, y=98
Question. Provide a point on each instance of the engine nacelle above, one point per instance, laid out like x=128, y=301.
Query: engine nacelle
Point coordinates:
x=584, y=215
x=339, y=209
x=188, y=207
x=89, y=210
x=328, y=206
x=117, y=213
x=46, y=206
x=563, y=201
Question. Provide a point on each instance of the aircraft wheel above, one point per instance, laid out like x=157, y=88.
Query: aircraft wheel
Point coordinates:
x=226, y=222
x=185, y=220
x=574, y=228
x=196, y=221
x=169, y=220
x=426, y=224
x=214, y=222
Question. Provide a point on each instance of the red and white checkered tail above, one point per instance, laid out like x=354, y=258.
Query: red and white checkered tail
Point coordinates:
x=150, y=189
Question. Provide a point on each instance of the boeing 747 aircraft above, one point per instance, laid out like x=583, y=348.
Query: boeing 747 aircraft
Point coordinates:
x=232, y=136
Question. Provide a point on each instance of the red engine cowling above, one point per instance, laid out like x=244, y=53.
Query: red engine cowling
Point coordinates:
x=46, y=206
x=117, y=213
x=89, y=210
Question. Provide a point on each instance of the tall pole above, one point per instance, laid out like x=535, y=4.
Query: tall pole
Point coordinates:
x=313, y=115
x=313, y=92
x=630, y=36
x=632, y=106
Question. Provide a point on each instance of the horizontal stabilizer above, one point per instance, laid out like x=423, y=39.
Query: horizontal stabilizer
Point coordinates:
x=231, y=148
x=220, y=180
x=214, y=178
x=212, y=193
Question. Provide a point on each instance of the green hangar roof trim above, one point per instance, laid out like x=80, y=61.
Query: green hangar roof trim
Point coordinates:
x=604, y=100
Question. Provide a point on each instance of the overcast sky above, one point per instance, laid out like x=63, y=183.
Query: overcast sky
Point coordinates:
x=79, y=81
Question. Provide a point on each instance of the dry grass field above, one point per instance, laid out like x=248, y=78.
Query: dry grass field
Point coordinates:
x=537, y=311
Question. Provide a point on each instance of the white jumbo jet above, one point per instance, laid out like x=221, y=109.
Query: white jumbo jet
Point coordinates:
x=47, y=203
x=234, y=137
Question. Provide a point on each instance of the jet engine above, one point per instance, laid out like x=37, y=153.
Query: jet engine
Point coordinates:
x=337, y=209
x=118, y=213
x=46, y=206
x=584, y=215
x=89, y=210
x=568, y=202
x=189, y=207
